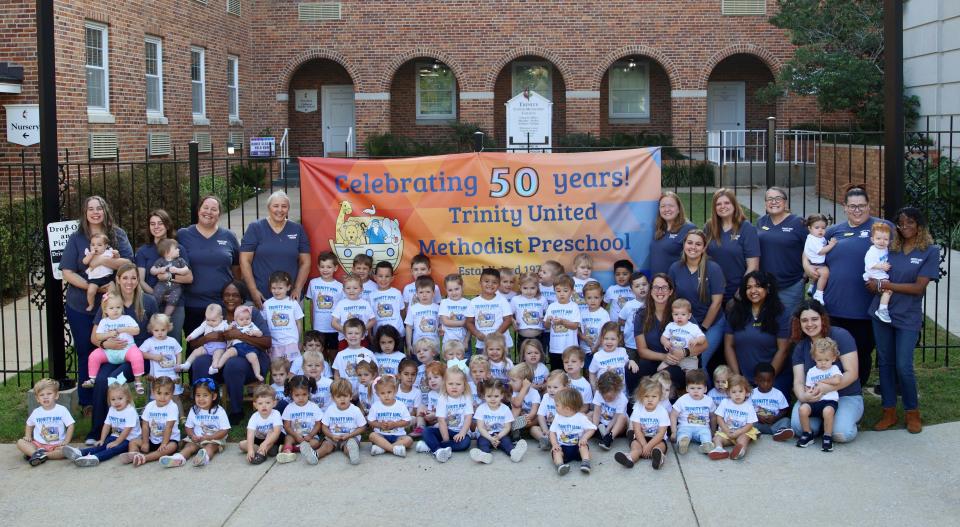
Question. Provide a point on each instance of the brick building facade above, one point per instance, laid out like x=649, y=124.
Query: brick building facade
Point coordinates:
x=405, y=62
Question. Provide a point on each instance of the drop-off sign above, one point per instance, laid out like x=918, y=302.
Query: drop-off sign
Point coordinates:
x=23, y=124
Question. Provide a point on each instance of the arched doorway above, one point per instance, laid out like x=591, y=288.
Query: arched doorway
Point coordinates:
x=320, y=112
x=735, y=116
x=541, y=76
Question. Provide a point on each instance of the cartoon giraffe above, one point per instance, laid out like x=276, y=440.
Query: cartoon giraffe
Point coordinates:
x=345, y=210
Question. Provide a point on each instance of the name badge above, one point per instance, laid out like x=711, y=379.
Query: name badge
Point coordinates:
x=916, y=261
x=221, y=242
x=788, y=229
x=292, y=236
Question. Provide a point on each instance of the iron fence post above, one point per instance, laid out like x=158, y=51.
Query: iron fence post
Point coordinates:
x=194, y=179
x=771, y=151
x=893, y=124
x=50, y=184
x=478, y=141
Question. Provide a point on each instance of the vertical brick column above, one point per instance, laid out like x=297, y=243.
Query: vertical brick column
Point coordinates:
x=688, y=109
x=372, y=115
x=477, y=107
x=583, y=112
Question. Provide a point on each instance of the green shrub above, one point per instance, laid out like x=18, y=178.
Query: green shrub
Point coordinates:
x=684, y=174
x=621, y=140
x=231, y=195
x=934, y=188
x=21, y=245
x=458, y=139
x=250, y=175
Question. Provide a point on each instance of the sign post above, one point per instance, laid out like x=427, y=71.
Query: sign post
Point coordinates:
x=529, y=118
x=23, y=124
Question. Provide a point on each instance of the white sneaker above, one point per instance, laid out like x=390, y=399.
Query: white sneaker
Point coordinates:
x=818, y=296
x=71, y=453
x=421, y=448
x=518, y=451
x=353, y=451
x=480, y=456
x=307, y=453
x=400, y=451
x=176, y=460
x=286, y=457
x=706, y=448
x=201, y=459
x=443, y=454
x=883, y=315
x=88, y=460
x=376, y=451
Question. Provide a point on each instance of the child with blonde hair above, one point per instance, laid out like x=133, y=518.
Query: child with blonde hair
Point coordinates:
x=454, y=415
x=528, y=308
x=721, y=378
x=479, y=372
x=120, y=428
x=495, y=348
x=824, y=371
x=213, y=322
x=570, y=433
x=452, y=312
x=592, y=318
x=367, y=372
x=735, y=421
x=582, y=269
x=116, y=324
x=525, y=400
x=163, y=352
x=342, y=424
x=313, y=368
x=284, y=317
x=556, y=381
x=243, y=321
x=453, y=350
x=389, y=419
x=49, y=427
x=681, y=334
x=650, y=423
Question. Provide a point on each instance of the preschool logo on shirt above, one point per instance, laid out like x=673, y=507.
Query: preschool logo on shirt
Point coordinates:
x=916, y=261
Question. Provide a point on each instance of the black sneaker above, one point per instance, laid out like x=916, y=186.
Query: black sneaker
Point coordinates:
x=39, y=457
x=657, y=458
x=623, y=459
x=606, y=441
x=804, y=440
x=827, y=444
x=585, y=466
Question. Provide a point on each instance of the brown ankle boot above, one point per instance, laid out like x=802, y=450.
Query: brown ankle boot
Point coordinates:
x=913, y=421
x=888, y=419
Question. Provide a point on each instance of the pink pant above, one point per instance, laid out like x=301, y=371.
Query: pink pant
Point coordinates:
x=98, y=357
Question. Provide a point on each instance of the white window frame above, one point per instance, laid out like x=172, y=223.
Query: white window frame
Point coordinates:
x=156, y=41
x=643, y=67
x=453, y=94
x=517, y=90
x=202, y=83
x=233, y=92
x=239, y=8
x=105, y=67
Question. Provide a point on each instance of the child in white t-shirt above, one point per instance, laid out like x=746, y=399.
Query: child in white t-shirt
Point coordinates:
x=489, y=312
x=570, y=432
x=650, y=423
x=342, y=424
x=386, y=301
x=419, y=266
x=264, y=428
x=681, y=335
x=49, y=427
x=573, y=367
x=389, y=419
x=324, y=292
x=453, y=311
x=206, y=429
x=427, y=409
x=409, y=393
x=528, y=308
x=367, y=372
x=495, y=349
x=160, y=429
x=619, y=293
x=352, y=306
x=386, y=349
x=815, y=251
x=824, y=376
x=212, y=323
x=494, y=420
x=531, y=352
x=563, y=319
x=582, y=267
x=313, y=368
x=735, y=421
x=525, y=400
x=454, y=415
x=422, y=320
x=610, y=356
x=639, y=285
x=556, y=381
x=301, y=422
x=876, y=264
x=690, y=418
x=609, y=408
x=121, y=426
x=163, y=352
x=117, y=325
x=284, y=318
x=345, y=365
x=592, y=318
x=773, y=410
x=279, y=373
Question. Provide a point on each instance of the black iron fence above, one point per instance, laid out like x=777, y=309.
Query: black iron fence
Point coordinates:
x=812, y=166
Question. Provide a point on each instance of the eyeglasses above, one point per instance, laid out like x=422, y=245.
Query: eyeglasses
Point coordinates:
x=661, y=288
x=858, y=207
x=776, y=199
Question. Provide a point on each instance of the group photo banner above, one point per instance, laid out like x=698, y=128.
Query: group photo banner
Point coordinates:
x=474, y=210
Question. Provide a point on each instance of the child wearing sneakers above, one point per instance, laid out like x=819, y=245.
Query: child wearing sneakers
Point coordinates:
x=454, y=415
x=301, y=422
x=563, y=319
x=206, y=429
x=735, y=421
x=609, y=408
x=342, y=424
x=494, y=420
x=264, y=428
x=825, y=372
x=284, y=317
x=489, y=312
x=773, y=411
x=690, y=419
x=650, y=422
x=570, y=433
x=49, y=427
x=389, y=419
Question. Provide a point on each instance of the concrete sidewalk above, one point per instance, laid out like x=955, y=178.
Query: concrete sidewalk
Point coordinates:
x=881, y=479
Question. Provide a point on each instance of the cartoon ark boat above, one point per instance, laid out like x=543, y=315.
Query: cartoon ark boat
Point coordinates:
x=376, y=236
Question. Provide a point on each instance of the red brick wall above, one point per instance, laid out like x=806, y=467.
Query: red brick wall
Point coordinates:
x=844, y=164
x=306, y=129
x=403, y=109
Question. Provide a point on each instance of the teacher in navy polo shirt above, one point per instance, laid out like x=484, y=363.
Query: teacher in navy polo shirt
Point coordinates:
x=214, y=256
x=671, y=227
x=273, y=244
x=733, y=242
x=782, y=236
x=914, y=261
x=758, y=330
x=159, y=228
x=845, y=297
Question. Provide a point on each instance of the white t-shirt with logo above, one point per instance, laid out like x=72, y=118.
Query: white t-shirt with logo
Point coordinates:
x=650, y=421
x=387, y=307
x=626, y=317
x=346, y=363
x=569, y=430
x=107, y=325
x=609, y=411
x=540, y=373
x=532, y=398
x=262, y=426
x=582, y=385
x=736, y=416
x=501, y=370
x=169, y=349
x=157, y=418
x=457, y=310
x=562, y=337
x=389, y=363
x=691, y=412
x=343, y=422
x=424, y=320
x=302, y=418
x=768, y=404
x=50, y=426
x=322, y=397
x=455, y=411
x=680, y=337
x=717, y=396
x=126, y=418
x=395, y=412
x=494, y=420
x=410, y=291
x=591, y=322
x=528, y=312
x=548, y=408
x=488, y=315
x=205, y=422
x=616, y=297
x=282, y=317
x=548, y=294
x=323, y=295
x=347, y=309
x=815, y=375
x=615, y=360
x=411, y=399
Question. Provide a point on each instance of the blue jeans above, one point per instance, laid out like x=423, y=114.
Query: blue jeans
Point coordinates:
x=103, y=453
x=791, y=296
x=849, y=413
x=895, y=357
x=505, y=444
x=81, y=329
x=235, y=374
x=783, y=422
x=433, y=439
x=714, y=341
x=700, y=434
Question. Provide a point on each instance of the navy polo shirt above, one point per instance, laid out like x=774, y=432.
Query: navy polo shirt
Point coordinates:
x=274, y=251
x=73, y=261
x=845, y=295
x=753, y=345
x=652, y=337
x=687, y=285
x=732, y=252
x=210, y=261
x=147, y=254
x=666, y=250
x=149, y=309
x=845, y=343
x=781, y=248
x=906, y=311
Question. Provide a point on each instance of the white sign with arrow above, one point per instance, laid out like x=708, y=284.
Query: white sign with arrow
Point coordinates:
x=23, y=124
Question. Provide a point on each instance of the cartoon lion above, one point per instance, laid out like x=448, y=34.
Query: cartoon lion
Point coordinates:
x=353, y=234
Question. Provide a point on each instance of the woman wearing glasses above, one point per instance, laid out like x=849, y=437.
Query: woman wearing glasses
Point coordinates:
x=845, y=298
x=782, y=235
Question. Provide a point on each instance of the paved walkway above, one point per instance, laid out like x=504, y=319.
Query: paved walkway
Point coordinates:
x=891, y=478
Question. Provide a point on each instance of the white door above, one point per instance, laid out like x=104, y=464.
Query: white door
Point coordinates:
x=726, y=116
x=338, y=119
